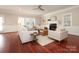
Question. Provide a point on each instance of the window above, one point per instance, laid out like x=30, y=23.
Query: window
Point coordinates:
x=21, y=21
x=1, y=23
x=26, y=21
x=67, y=20
x=1, y=20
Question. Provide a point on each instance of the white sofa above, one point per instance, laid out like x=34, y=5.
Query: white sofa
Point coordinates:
x=25, y=35
x=58, y=34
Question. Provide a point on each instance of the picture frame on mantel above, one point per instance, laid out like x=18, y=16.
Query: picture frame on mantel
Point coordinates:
x=49, y=19
x=53, y=18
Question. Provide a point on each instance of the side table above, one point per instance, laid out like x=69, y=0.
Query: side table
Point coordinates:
x=34, y=36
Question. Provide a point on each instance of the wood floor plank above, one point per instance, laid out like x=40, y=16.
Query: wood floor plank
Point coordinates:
x=11, y=43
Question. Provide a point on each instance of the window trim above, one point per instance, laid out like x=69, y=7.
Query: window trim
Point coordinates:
x=2, y=23
x=70, y=19
x=3, y=18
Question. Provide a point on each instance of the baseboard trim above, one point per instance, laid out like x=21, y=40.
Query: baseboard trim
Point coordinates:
x=8, y=32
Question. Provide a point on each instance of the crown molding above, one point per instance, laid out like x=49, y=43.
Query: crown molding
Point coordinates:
x=62, y=10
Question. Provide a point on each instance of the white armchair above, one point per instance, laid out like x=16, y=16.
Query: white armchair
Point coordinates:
x=25, y=35
x=58, y=34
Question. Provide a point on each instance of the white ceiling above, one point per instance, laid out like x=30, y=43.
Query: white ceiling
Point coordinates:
x=27, y=9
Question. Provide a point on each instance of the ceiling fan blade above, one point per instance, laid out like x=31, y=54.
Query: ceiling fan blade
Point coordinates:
x=39, y=6
x=42, y=9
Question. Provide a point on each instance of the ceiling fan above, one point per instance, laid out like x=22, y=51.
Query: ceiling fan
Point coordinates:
x=39, y=8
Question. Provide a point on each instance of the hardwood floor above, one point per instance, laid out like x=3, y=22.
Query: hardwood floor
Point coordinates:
x=10, y=43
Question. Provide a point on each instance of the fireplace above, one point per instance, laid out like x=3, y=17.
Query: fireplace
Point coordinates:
x=53, y=26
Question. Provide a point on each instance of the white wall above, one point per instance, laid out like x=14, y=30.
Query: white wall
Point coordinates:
x=11, y=19
x=10, y=23
x=74, y=29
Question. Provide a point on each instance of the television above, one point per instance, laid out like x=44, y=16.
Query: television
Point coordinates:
x=53, y=26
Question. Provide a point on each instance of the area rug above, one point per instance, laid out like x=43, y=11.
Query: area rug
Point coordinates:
x=44, y=40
